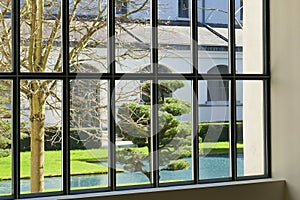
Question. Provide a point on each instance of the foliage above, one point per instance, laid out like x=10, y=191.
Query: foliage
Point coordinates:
x=174, y=136
x=5, y=136
x=5, y=120
x=175, y=107
x=218, y=131
x=178, y=165
x=165, y=88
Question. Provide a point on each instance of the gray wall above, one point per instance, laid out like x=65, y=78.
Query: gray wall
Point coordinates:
x=285, y=68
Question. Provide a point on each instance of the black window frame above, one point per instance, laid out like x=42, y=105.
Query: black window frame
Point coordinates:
x=66, y=76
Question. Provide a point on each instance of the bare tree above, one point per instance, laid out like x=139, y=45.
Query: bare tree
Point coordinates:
x=41, y=51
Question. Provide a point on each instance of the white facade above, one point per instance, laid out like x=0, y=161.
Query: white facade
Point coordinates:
x=174, y=50
x=209, y=11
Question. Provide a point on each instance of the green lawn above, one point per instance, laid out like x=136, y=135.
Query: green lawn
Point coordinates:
x=83, y=161
x=216, y=148
x=53, y=161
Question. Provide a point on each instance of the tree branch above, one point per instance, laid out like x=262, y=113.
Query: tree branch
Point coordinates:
x=52, y=37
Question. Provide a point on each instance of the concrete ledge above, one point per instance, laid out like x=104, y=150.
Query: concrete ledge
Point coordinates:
x=264, y=189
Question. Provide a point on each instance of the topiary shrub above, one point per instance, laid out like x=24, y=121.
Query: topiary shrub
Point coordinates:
x=174, y=135
x=178, y=165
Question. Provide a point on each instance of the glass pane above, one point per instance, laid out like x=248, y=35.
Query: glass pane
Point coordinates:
x=213, y=36
x=174, y=41
x=133, y=36
x=239, y=30
x=249, y=36
x=88, y=36
x=213, y=131
x=174, y=130
x=89, y=137
x=40, y=45
x=133, y=144
x=41, y=132
x=5, y=35
x=5, y=137
x=250, y=127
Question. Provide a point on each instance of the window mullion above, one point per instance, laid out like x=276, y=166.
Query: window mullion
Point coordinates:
x=112, y=67
x=154, y=93
x=66, y=99
x=194, y=53
x=16, y=139
x=16, y=99
x=232, y=67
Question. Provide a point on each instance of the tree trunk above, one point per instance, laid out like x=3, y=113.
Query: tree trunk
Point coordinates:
x=36, y=97
x=37, y=116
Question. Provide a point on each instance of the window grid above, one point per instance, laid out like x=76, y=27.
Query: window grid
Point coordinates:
x=16, y=76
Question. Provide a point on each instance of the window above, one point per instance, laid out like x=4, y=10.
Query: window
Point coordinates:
x=121, y=7
x=183, y=8
x=241, y=10
x=92, y=102
x=218, y=90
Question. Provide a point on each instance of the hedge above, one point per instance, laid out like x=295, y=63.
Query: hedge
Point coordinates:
x=218, y=131
x=207, y=131
x=79, y=139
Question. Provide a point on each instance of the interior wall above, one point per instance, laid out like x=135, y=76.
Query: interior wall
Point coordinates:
x=253, y=126
x=258, y=190
x=285, y=90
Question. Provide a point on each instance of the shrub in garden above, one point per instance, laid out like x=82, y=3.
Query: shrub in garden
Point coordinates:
x=174, y=136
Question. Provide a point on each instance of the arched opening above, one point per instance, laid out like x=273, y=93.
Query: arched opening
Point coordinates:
x=218, y=90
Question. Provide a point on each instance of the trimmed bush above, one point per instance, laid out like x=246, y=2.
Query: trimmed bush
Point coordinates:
x=178, y=165
x=218, y=131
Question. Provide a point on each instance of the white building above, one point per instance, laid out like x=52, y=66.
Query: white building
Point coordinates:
x=174, y=49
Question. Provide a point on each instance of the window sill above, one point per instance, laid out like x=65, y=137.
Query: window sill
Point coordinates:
x=228, y=186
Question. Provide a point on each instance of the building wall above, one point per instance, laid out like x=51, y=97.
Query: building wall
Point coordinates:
x=285, y=87
x=214, y=12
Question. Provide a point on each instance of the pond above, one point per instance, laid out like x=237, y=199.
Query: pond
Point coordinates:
x=210, y=167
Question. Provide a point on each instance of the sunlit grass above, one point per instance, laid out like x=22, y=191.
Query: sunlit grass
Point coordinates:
x=81, y=163
x=87, y=161
x=217, y=148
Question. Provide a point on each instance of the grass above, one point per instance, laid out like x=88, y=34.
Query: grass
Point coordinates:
x=217, y=148
x=81, y=163
x=208, y=148
x=84, y=161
